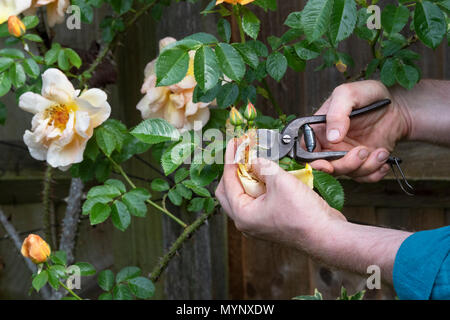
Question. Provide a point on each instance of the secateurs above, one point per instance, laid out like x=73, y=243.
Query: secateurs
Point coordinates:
x=275, y=145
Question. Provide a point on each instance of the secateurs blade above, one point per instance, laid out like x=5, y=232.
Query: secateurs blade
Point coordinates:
x=275, y=145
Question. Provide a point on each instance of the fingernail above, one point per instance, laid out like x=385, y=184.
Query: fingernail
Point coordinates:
x=382, y=156
x=363, y=154
x=333, y=135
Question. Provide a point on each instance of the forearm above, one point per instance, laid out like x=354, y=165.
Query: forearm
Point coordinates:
x=355, y=247
x=427, y=109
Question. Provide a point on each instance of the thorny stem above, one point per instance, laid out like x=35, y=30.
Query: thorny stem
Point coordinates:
x=70, y=291
x=150, y=202
x=178, y=243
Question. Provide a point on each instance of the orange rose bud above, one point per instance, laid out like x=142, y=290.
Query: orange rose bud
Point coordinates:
x=16, y=26
x=250, y=112
x=35, y=248
x=342, y=67
x=236, y=118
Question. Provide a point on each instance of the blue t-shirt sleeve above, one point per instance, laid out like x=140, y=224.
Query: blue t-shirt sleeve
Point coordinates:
x=422, y=266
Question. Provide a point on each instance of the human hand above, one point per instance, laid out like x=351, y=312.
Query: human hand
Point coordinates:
x=369, y=138
x=289, y=211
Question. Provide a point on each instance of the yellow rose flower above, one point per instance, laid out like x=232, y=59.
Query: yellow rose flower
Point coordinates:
x=63, y=120
x=172, y=103
x=234, y=2
x=246, y=153
x=35, y=248
x=12, y=8
x=16, y=26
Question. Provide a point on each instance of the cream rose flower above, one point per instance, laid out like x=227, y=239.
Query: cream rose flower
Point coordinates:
x=63, y=120
x=172, y=103
x=12, y=8
x=246, y=153
x=56, y=10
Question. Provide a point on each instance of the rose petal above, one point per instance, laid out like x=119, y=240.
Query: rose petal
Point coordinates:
x=56, y=87
x=34, y=103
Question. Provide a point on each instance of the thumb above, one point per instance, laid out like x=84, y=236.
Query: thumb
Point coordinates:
x=266, y=170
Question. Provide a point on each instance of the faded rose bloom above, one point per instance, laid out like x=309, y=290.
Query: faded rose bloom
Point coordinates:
x=35, y=248
x=56, y=10
x=172, y=103
x=64, y=119
x=12, y=8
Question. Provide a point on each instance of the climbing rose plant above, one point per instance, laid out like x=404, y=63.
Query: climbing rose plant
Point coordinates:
x=188, y=90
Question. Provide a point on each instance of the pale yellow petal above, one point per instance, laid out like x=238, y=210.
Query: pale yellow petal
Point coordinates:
x=304, y=175
x=12, y=8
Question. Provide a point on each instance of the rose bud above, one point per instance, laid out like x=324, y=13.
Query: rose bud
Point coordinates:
x=342, y=67
x=236, y=118
x=250, y=112
x=35, y=248
x=16, y=26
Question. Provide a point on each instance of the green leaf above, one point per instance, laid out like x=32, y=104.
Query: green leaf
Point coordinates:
x=201, y=191
x=209, y=205
x=224, y=29
x=63, y=60
x=174, y=156
x=30, y=21
x=121, y=6
x=154, y=131
x=306, y=50
x=17, y=75
x=250, y=23
x=343, y=20
x=89, y=203
x=274, y=42
x=361, y=29
x=171, y=66
x=86, y=269
x=53, y=278
x=106, y=140
x=387, y=75
x=266, y=4
x=59, y=257
x=294, y=20
x=31, y=68
x=429, y=23
x=116, y=183
x=175, y=197
x=183, y=191
x=32, y=37
x=230, y=61
x=317, y=296
x=330, y=189
x=51, y=56
x=99, y=213
x=196, y=205
x=40, y=280
x=127, y=273
x=202, y=174
x=120, y=216
x=12, y=53
x=276, y=65
x=5, y=63
x=122, y=292
x=259, y=47
x=106, y=280
x=315, y=18
x=248, y=54
x=181, y=174
x=73, y=57
x=142, y=287
x=105, y=296
x=203, y=37
x=293, y=60
x=5, y=83
x=159, y=184
x=135, y=201
x=407, y=76
x=206, y=68
x=106, y=190
x=394, y=18
x=227, y=95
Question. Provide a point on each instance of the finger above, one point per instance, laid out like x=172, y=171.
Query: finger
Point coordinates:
x=237, y=198
x=266, y=170
x=323, y=165
x=344, y=99
x=351, y=161
x=374, y=162
x=375, y=176
x=220, y=195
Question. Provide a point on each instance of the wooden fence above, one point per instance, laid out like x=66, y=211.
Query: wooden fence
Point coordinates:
x=218, y=262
